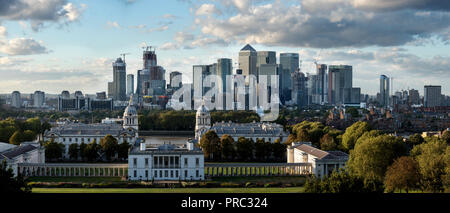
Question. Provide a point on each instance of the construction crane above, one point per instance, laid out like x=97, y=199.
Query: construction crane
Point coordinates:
x=123, y=55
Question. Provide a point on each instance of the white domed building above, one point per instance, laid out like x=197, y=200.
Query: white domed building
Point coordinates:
x=269, y=132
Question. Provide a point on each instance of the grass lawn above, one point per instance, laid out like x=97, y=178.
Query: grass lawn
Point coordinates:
x=265, y=179
x=167, y=190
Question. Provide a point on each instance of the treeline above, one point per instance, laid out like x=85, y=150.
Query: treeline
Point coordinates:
x=107, y=150
x=18, y=131
x=185, y=120
x=379, y=162
x=244, y=150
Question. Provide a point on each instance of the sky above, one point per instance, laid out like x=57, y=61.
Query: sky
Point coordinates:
x=55, y=45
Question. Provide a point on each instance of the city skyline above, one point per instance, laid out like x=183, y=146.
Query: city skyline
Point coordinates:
x=35, y=52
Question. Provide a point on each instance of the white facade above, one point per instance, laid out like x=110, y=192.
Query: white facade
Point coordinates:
x=166, y=162
x=323, y=163
x=27, y=152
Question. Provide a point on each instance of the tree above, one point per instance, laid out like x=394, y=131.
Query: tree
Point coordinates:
x=10, y=184
x=109, y=146
x=402, y=174
x=227, y=145
x=73, y=151
x=415, y=139
x=371, y=157
x=53, y=150
x=91, y=151
x=328, y=143
x=123, y=150
x=338, y=182
x=261, y=150
x=279, y=150
x=430, y=157
x=83, y=151
x=352, y=134
x=446, y=137
x=244, y=148
x=17, y=137
x=210, y=145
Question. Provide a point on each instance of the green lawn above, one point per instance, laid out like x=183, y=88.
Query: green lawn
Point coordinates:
x=167, y=190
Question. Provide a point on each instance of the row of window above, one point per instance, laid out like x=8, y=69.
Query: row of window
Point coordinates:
x=87, y=139
x=166, y=161
x=165, y=173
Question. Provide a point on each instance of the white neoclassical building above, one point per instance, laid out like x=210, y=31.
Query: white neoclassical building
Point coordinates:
x=322, y=162
x=26, y=152
x=124, y=129
x=269, y=132
x=166, y=162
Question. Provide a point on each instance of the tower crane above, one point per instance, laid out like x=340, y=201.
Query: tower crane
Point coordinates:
x=123, y=55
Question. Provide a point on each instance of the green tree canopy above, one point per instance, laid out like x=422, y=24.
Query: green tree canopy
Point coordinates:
x=73, y=151
x=403, y=174
x=9, y=184
x=210, y=144
x=123, y=150
x=53, y=150
x=109, y=146
x=227, y=147
x=244, y=148
x=352, y=134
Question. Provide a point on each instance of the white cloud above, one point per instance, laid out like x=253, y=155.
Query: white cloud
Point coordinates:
x=2, y=31
x=22, y=46
x=113, y=24
x=207, y=9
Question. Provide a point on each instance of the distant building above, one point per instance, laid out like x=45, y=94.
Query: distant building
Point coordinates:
x=166, y=162
x=175, y=80
x=247, y=62
x=340, y=77
x=38, y=99
x=119, y=80
x=299, y=89
x=101, y=95
x=323, y=162
x=384, y=91
x=130, y=84
x=414, y=98
x=432, y=96
x=16, y=100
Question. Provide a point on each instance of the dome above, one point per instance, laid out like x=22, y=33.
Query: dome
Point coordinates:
x=202, y=109
x=130, y=110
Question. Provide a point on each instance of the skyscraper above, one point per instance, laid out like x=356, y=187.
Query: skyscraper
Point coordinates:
x=247, y=62
x=299, y=90
x=130, y=84
x=322, y=82
x=38, y=99
x=119, y=80
x=432, y=96
x=175, y=80
x=384, y=91
x=339, y=77
x=16, y=100
x=152, y=78
x=224, y=69
x=289, y=61
x=414, y=98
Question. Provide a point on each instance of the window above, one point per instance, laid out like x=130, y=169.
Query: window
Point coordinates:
x=146, y=173
x=135, y=173
x=197, y=161
x=166, y=173
x=176, y=173
x=64, y=139
x=146, y=161
x=135, y=161
x=156, y=173
x=196, y=173
x=185, y=174
x=171, y=173
x=160, y=173
x=177, y=161
x=155, y=161
x=185, y=161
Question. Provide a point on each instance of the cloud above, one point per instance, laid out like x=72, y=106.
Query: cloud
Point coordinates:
x=3, y=32
x=389, y=5
x=326, y=24
x=169, y=46
x=9, y=61
x=58, y=11
x=22, y=46
x=170, y=16
x=182, y=37
x=113, y=24
x=207, y=9
x=158, y=29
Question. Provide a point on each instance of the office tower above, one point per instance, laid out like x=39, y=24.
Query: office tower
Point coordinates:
x=289, y=61
x=339, y=77
x=152, y=78
x=271, y=71
x=322, y=83
x=111, y=90
x=313, y=89
x=38, y=99
x=432, y=96
x=199, y=74
x=247, y=62
x=224, y=68
x=16, y=100
x=175, y=80
x=130, y=84
x=265, y=57
x=384, y=91
x=299, y=90
x=119, y=80
x=101, y=95
x=139, y=83
x=414, y=98
x=352, y=95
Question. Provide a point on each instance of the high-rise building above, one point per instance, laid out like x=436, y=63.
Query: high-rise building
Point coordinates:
x=299, y=90
x=119, y=80
x=130, y=84
x=384, y=91
x=111, y=90
x=139, y=83
x=432, y=96
x=16, y=100
x=270, y=71
x=339, y=77
x=322, y=82
x=38, y=99
x=101, y=95
x=224, y=69
x=78, y=94
x=152, y=78
x=414, y=98
x=65, y=94
x=175, y=80
x=247, y=62
x=289, y=63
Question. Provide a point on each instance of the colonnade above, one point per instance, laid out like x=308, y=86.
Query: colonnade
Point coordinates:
x=257, y=169
x=84, y=170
